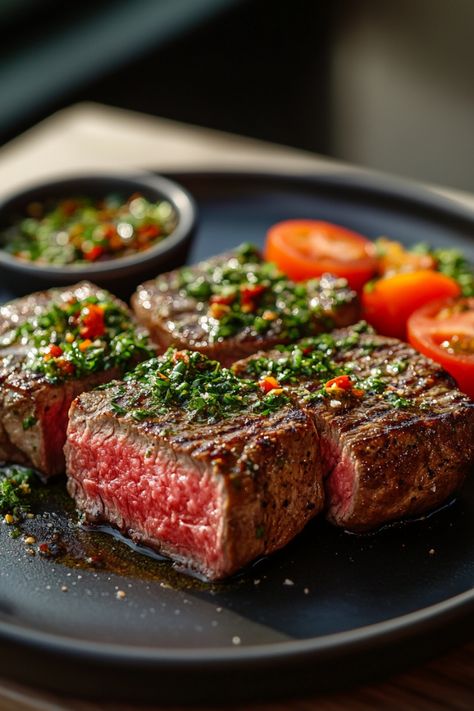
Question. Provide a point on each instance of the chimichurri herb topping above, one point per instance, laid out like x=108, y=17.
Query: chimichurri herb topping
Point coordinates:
x=205, y=390
x=248, y=294
x=77, y=338
x=82, y=229
x=315, y=360
x=29, y=422
x=15, y=486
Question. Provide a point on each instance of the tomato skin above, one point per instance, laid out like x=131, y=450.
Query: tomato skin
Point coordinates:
x=427, y=329
x=304, y=249
x=389, y=302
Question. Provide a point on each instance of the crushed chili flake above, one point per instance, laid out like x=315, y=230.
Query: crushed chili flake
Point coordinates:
x=85, y=345
x=248, y=294
x=178, y=356
x=218, y=310
x=226, y=299
x=93, y=254
x=65, y=366
x=268, y=384
x=92, y=318
x=53, y=351
x=340, y=382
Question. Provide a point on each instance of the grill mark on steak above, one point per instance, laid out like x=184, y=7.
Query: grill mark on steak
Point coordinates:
x=211, y=496
x=383, y=463
x=25, y=394
x=176, y=319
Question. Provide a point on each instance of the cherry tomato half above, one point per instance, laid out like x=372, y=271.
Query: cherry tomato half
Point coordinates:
x=304, y=249
x=443, y=330
x=388, y=302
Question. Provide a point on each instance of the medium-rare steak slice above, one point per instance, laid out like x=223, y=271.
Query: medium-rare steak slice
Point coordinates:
x=187, y=459
x=397, y=436
x=54, y=345
x=236, y=304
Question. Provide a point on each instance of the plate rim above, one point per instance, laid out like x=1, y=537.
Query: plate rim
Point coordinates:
x=394, y=187
x=418, y=621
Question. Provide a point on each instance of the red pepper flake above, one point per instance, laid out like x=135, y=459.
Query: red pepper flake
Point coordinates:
x=221, y=299
x=69, y=207
x=85, y=345
x=180, y=355
x=341, y=382
x=65, y=366
x=218, y=310
x=93, y=254
x=268, y=384
x=92, y=317
x=53, y=351
x=250, y=294
x=109, y=231
x=44, y=549
x=148, y=232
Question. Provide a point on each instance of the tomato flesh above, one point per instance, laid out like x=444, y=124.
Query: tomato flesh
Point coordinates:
x=443, y=330
x=388, y=302
x=304, y=249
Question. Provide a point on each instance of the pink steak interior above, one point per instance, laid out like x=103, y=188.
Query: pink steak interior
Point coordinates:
x=340, y=480
x=150, y=495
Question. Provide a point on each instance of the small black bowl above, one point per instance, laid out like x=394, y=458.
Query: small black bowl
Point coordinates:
x=120, y=274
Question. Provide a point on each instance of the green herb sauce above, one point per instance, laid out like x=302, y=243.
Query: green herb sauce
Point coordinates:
x=315, y=360
x=187, y=380
x=15, y=487
x=82, y=229
x=246, y=294
x=78, y=338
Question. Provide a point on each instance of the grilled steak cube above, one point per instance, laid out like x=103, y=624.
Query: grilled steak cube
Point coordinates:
x=236, y=304
x=397, y=436
x=186, y=459
x=54, y=345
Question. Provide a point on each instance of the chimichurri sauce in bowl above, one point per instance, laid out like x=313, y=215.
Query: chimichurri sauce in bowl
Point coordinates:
x=85, y=229
x=114, y=230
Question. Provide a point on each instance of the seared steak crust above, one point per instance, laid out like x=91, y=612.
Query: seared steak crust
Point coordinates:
x=213, y=497
x=33, y=411
x=176, y=318
x=384, y=462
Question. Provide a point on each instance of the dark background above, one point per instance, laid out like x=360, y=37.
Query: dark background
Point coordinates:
x=387, y=85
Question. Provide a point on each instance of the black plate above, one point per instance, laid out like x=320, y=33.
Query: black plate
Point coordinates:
x=329, y=609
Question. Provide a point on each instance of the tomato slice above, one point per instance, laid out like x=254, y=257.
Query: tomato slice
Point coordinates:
x=443, y=330
x=388, y=302
x=304, y=249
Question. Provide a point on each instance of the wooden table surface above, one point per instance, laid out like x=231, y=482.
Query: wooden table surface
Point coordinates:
x=94, y=137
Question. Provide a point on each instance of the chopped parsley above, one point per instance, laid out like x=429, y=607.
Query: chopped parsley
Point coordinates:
x=311, y=358
x=77, y=338
x=314, y=361
x=15, y=486
x=29, y=422
x=246, y=294
x=83, y=229
x=188, y=380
